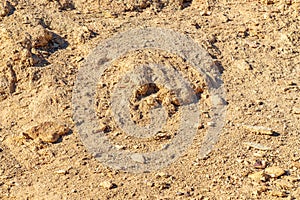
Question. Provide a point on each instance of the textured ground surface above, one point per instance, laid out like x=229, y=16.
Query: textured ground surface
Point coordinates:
x=43, y=44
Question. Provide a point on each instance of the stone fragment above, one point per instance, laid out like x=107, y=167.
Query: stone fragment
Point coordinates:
x=138, y=158
x=259, y=176
x=205, y=13
x=162, y=175
x=107, y=185
x=48, y=132
x=260, y=164
x=119, y=147
x=296, y=110
x=41, y=36
x=274, y=171
x=61, y=171
x=242, y=65
x=257, y=146
x=259, y=129
x=258, y=154
x=211, y=124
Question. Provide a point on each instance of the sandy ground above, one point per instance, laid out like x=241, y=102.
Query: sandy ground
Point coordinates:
x=255, y=44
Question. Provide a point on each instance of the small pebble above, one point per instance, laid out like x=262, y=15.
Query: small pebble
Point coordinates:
x=162, y=174
x=296, y=110
x=259, y=129
x=260, y=155
x=260, y=164
x=107, y=185
x=138, y=158
x=61, y=171
x=259, y=176
x=242, y=65
x=211, y=123
x=274, y=172
x=257, y=146
x=150, y=184
x=119, y=147
x=179, y=193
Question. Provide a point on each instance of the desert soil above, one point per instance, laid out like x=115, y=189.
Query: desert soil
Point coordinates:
x=256, y=45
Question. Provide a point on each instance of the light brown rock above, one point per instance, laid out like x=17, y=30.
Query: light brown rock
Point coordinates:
x=274, y=171
x=41, y=36
x=107, y=184
x=296, y=110
x=257, y=146
x=259, y=129
x=242, y=65
x=47, y=131
x=258, y=176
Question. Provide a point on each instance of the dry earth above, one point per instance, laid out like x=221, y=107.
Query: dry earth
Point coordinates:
x=256, y=44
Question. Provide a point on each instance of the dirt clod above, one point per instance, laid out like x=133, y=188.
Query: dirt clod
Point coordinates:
x=47, y=131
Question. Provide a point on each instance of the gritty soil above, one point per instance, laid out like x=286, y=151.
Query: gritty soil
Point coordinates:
x=254, y=43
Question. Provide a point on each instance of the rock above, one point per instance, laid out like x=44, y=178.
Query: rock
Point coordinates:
x=107, y=185
x=257, y=146
x=61, y=171
x=274, y=172
x=150, y=184
x=217, y=100
x=138, y=158
x=162, y=175
x=259, y=129
x=205, y=13
x=296, y=110
x=40, y=36
x=179, y=193
x=48, y=132
x=162, y=136
x=119, y=147
x=258, y=154
x=260, y=164
x=211, y=124
x=259, y=176
x=242, y=65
